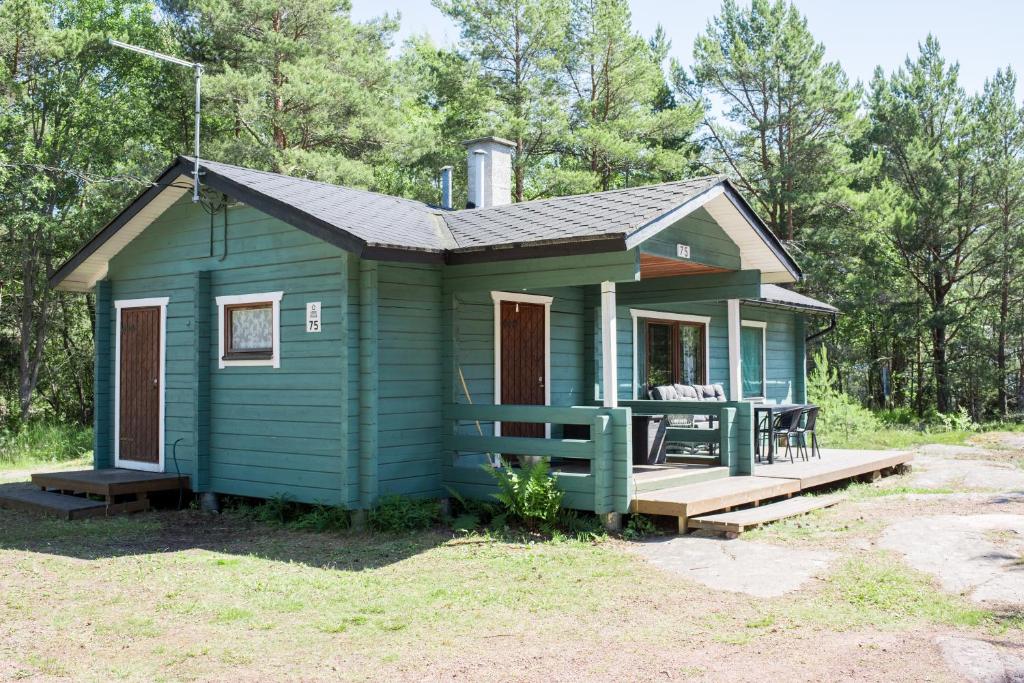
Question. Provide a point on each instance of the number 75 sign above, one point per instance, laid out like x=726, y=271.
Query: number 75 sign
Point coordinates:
x=313, y=316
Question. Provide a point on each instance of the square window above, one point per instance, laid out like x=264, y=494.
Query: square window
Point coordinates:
x=249, y=329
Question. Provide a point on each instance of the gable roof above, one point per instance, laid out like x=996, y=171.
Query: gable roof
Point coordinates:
x=384, y=227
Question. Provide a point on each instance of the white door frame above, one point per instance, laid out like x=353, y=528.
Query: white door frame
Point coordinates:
x=119, y=304
x=545, y=301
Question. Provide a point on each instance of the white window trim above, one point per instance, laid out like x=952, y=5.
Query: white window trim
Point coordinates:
x=637, y=313
x=274, y=298
x=763, y=326
x=498, y=298
x=140, y=303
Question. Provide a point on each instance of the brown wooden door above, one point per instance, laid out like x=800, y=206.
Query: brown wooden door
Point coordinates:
x=523, y=380
x=140, y=388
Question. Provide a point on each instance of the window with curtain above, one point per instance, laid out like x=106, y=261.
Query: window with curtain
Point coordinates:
x=674, y=353
x=752, y=361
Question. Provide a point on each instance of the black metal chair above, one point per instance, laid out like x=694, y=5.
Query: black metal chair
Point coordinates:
x=808, y=427
x=789, y=427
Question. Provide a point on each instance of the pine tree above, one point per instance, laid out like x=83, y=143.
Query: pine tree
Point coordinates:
x=921, y=126
x=296, y=86
x=789, y=113
x=1000, y=121
x=517, y=44
x=626, y=128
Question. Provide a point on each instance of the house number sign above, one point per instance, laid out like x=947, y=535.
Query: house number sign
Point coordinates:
x=683, y=250
x=313, y=316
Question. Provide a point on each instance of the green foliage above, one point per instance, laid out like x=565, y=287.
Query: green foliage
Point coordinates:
x=639, y=527
x=280, y=510
x=841, y=416
x=44, y=442
x=399, y=514
x=528, y=494
x=581, y=526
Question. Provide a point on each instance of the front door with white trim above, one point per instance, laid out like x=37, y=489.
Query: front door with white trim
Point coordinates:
x=140, y=388
x=523, y=371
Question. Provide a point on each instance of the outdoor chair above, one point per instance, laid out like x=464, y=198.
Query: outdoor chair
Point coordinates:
x=788, y=426
x=809, y=423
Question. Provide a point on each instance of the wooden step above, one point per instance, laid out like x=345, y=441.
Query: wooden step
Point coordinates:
x=110, y=482
x=31, y=499
x=652, y=478
x=734, y=523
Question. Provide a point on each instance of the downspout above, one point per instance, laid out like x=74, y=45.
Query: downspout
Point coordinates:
x=821, y=333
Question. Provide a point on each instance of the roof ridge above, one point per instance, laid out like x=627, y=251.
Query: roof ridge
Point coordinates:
x=427, y=208
x=719, y=177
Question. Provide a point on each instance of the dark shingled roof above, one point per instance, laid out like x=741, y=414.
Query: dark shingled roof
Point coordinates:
x=384, y=220
x=773, y=294
x=377, y=219
x=586, y=216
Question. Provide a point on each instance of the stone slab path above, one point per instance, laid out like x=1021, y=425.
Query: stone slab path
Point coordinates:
x=740, y=566
x=980, y=661
x=979, y=556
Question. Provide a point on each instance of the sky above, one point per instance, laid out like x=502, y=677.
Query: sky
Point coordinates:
x=982, y=35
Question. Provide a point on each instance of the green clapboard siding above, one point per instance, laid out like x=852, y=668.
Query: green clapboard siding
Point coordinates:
x=409, y=374
x=271, y=431
x=707, y=241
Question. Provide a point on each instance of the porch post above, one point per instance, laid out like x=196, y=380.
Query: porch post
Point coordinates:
x=735, y=393
x=609, y=376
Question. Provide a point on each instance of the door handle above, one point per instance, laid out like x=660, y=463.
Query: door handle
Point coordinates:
x=156, y=382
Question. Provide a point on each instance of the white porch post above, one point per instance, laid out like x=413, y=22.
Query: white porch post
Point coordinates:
x=735, y=394
x=609, y=376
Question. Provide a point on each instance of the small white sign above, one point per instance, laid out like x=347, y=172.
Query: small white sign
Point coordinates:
x=313, y=316
x=683, y=250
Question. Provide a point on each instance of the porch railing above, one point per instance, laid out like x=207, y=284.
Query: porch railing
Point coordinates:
x=734, y=434
x=607, y=486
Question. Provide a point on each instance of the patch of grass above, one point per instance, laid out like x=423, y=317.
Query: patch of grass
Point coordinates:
x=861, y=491
x=41, y=443
x=882, y=592
x=894, y=438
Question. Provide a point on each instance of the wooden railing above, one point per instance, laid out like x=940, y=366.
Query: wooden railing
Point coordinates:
x=734, y=434
x=607, y=486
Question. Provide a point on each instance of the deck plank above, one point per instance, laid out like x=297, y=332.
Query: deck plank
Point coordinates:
x=110, y=482
x=739, y=521
x=694, y=499
x=21, y=497
x=834, y=465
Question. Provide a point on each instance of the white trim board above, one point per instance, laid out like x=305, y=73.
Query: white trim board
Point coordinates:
x=498, y=298
x=763, y=326
x=637, y=313
x=140, y=303
x=275, y=299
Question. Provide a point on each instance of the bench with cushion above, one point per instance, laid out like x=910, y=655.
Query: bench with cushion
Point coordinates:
x=687, y=392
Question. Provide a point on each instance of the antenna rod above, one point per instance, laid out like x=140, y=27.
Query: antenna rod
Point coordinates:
x=197, y=70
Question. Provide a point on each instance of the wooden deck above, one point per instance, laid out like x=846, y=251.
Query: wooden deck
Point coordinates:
x=781, y=479
x=834, y=465
x=73, y=495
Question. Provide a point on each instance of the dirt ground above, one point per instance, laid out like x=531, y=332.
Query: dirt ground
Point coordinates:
x=186, y=596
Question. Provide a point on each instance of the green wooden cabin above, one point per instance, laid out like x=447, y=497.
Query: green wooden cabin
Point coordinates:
x=289, y=337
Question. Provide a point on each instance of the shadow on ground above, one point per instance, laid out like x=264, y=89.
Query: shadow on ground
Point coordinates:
x=169, y=531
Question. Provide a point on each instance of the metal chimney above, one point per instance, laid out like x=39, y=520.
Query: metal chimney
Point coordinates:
x=446, y=187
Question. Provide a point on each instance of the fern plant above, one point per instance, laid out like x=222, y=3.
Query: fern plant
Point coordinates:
x=528, y=494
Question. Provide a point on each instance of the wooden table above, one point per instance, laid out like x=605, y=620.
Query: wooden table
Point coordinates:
x=768, y=412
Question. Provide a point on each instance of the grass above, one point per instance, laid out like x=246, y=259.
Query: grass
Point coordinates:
x=44, y=443
x=894, y=438
x=881, y=592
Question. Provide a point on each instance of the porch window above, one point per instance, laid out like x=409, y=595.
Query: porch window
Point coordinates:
x=249, y=328
x=675, y=353
x=752, y=358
